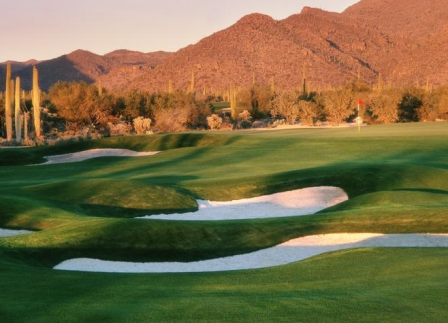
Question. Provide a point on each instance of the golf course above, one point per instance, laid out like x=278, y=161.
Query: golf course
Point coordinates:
x=395, y=178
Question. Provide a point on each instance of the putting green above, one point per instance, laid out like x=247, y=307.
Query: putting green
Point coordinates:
x=396, y=177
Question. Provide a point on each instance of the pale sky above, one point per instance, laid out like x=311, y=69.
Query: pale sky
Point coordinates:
x=45, y=29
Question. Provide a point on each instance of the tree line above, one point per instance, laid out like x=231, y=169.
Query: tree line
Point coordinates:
x=69, y=108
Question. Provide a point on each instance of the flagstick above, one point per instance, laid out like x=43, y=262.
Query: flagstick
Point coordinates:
x=359, y=123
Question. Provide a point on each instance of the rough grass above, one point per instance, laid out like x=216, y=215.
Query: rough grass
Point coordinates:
x=396, y=177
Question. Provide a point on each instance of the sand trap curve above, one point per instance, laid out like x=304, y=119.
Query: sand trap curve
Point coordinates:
x=286, y=253
x=293, y=203
x=95, y=153
x=4, y=233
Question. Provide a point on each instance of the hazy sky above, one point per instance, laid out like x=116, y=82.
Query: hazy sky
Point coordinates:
x=44, y=29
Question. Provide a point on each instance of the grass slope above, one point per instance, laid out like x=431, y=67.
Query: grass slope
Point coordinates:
x=396, y=177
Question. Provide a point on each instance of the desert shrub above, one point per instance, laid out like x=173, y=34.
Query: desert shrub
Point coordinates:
x=214, y=122
x=245, y=124
x=142, y=125
x=278, y=122
x=260, y=123
x=442, y=107
x=171, y=120
x=245, y=115
x=80, y=102
x=435, y=106
x=179, y=112
x=119, y=129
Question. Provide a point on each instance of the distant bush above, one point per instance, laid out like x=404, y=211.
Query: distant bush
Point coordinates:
x=120, y=129
x=214, y=122
x=142, y=125
x=245, y=124
x=245, y=115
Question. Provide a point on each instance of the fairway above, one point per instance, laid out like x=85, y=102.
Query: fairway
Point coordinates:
x=396, y=178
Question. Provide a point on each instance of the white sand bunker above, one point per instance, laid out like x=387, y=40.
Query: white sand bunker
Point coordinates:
x=11, y=233
x=293, y=203
x=286, y=253
x=95, y=153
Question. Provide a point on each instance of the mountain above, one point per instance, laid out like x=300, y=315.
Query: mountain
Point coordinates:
x=85, y=66
x=405, y=41
x=128, y=57
x=422, y=24
x=331, y=47
x=17, y=66
x=130, y=65
x=406, y=18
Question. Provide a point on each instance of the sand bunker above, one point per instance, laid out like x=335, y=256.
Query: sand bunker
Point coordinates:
x=95, y=153
x=293, y=203
x=11, y=233
x=286, y=253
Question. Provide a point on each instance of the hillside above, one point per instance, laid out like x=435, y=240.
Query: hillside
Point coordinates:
x=406, y=18
x=330, y=46
x=424, y=24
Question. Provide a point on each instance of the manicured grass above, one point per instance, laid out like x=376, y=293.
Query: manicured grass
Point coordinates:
x=220, y=105
x=396, y=177
x=371, y=285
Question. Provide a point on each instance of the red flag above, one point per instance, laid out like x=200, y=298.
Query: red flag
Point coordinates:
x=360, y=102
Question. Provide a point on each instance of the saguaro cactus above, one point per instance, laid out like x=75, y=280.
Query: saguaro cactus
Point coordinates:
x=170, y=87
x=192, y=85
x=100, y=88
x=233, y=103
x=13, y=88
x=36, y=102
x=380, y=85
x=304, y=85
x=18, y=114
x=26, y=116
x=8, y=103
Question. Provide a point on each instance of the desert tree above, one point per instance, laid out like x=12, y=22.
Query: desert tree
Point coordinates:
x=384, y=106
x=308, y=112
x=339, y=105
x=286, y=105
x=410, y=105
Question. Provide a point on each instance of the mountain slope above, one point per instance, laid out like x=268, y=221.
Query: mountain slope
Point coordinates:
x=407, y=18
x=330, y=46
x=423, y=24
